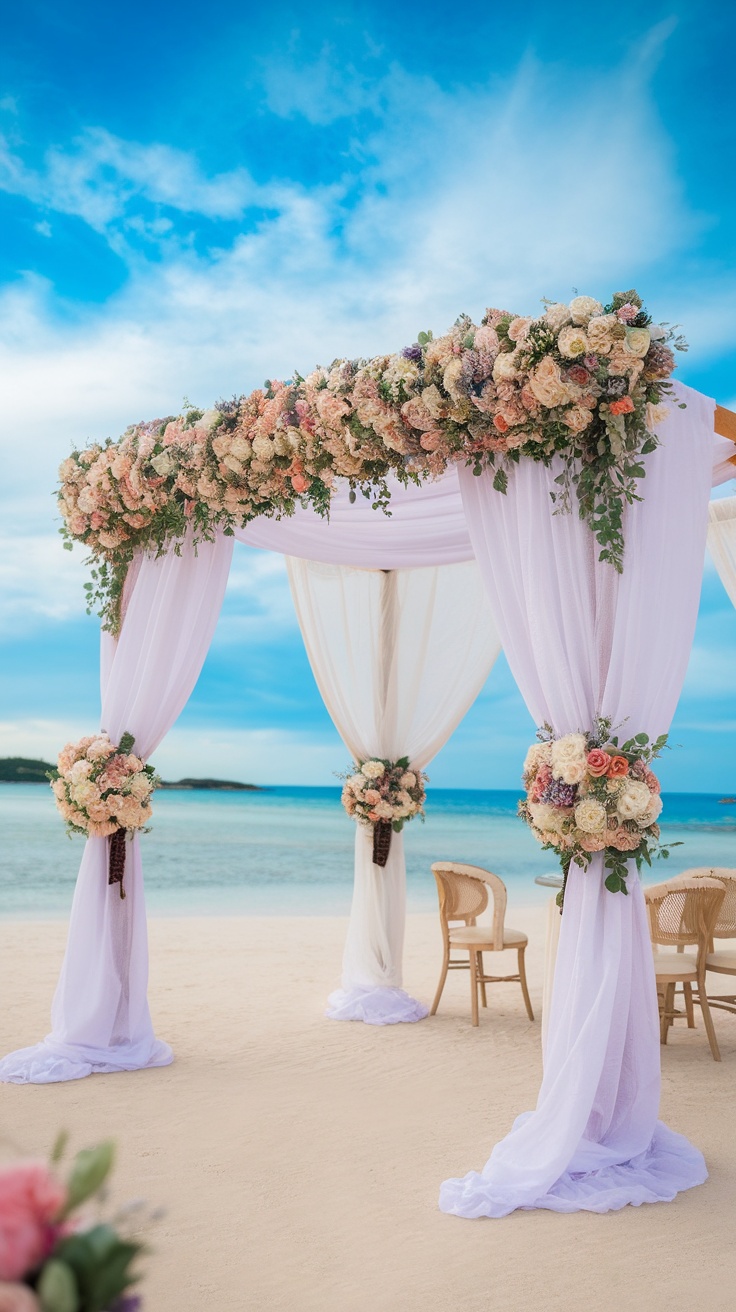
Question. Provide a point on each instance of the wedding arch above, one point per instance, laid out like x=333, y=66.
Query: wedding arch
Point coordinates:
x=395, y=614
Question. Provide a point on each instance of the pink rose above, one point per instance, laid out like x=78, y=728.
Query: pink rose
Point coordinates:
x=30, y=1201
x=372, y=796
x=627, y=313
x=577, y=374
x=652, y=782
x=299, y=482
x=542, y=781
x=624, y=841
x=598, y=762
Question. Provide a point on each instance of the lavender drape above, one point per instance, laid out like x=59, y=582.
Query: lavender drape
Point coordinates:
x=100, y=1017
x=583, y=641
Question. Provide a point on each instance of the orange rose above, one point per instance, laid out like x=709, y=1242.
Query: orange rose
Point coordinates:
x=618, y=768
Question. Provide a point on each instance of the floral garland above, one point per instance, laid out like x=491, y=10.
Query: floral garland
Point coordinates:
x=584, y=381
x=52, y=1261
x=384, y=795
x=585, y=793
x=103, y=791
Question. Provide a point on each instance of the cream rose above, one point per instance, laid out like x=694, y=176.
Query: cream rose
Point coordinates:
x=505, y=367
x=570, y=750
x=637, y=342
x=452, y=374
x=263, y=448
x=652, y=813
x=572, y=773
x=486, y=339
x=374, y=769
x=655, y=415
x=545, y=383
x=599, y=333
x=582, y=308
x=590, y=816
x=633, y=800
x=557, y=315
x=577, y=418
x=408, y=779
x=538, y=754
x=549, y=818
x=572, y=342
x=519, y=327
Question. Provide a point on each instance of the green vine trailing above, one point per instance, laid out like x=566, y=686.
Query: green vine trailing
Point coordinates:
x=582, y=384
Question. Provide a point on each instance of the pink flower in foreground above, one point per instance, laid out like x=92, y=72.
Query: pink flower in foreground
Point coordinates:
x=30, y=1200
x=624, y=841
x=598, y=762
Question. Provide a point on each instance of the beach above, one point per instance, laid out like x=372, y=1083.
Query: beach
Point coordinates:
x=299, y=1159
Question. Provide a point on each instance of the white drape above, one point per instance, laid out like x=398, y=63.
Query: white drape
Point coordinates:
x=100, y=1017
x=398, y=657
x=582, y=641
x=722, y=541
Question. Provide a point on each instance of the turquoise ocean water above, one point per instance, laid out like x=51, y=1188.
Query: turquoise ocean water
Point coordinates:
x=289, y=850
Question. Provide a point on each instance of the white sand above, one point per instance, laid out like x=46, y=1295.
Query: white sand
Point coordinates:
x=300, y=1159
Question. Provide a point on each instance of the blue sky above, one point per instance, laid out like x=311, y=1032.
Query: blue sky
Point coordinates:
x=193, y=197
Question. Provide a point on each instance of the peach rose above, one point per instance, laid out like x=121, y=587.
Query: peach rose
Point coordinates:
x=618, y=768
x=598, y=762
x=623, y=841
x=623, y=407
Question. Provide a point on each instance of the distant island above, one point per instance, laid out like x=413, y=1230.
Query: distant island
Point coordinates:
x=24, y=770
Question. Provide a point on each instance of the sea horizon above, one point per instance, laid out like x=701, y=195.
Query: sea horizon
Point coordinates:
x=288, y=849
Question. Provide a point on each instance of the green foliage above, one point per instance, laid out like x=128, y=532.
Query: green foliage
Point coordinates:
x=57, y=1288
x=89, y=1172
x=100, y=1263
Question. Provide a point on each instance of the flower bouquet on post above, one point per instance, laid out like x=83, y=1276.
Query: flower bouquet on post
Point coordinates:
x=52, y=1260
x=384, y=794
x=103, y=791
x=587, y=793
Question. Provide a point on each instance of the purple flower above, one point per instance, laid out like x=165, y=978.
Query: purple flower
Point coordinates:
x=590, y=361
x=412, y=352
x=559, y=794
x=616, y=386
x=127, y=1303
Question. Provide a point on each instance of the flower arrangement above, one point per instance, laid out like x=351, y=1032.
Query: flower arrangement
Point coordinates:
x=587, y=793
x=104, y=791
x=50, y=1259
x=583, y=381
x=384, y=794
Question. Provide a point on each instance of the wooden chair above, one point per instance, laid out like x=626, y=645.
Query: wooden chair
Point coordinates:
x=463, y=894
x=682, y=913
x=721, y=961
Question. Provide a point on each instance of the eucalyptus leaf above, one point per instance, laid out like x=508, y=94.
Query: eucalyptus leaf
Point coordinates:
x=57, y=1288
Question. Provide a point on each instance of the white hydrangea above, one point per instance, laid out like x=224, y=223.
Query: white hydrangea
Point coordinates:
x=590, y=816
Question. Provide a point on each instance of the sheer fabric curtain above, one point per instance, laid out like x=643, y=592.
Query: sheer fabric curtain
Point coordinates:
x=722, y=541
x=398, y=657
x=100, y=1017
x=582, y=640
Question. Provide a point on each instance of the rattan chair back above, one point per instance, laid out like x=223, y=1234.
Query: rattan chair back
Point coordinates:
x=682, y=912
x=725, y=926
x=463, y=892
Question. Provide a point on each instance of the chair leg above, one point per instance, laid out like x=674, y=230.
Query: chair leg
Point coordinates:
x=687, y=990
x=443, y=977
x=474, y=985
x=524, y=989
x=708, y=1020
x=481, y=980
x=667, y=1006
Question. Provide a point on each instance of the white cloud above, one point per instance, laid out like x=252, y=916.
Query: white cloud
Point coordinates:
x=477, y=197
